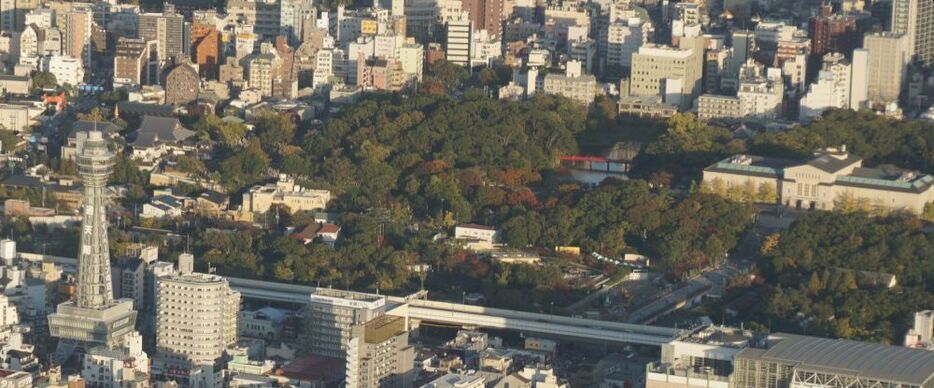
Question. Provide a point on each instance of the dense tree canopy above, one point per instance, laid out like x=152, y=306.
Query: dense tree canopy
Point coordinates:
x=431, y=150
x=878, y=139
x=824, y=276
x=403, y=169
x=687, y=145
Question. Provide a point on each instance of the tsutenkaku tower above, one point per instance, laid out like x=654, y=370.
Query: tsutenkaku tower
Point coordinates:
x=93, y=318
x=95, y=164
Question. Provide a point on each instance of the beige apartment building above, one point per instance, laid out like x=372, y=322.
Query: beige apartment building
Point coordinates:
x=760, y=95
x=831, y=179
x=670, y=72
x=169, y=29
x=573, y=84
x=379, y=355
x=888, y=61
x=284, y=193
x=78, y=22
x=715, y=106
x=915, y=18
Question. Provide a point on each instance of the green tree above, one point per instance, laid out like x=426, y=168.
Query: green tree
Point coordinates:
x=767, y=193
x=275, y=130
x=9, y=140
x=814, y=285
x=44, y=80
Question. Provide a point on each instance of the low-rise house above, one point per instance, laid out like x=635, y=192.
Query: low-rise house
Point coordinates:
x=162, y=206
x=264, y=323
x=67, y=192
x=475, y=236
x=212, y=202
x=160, y=136
x=327, y=233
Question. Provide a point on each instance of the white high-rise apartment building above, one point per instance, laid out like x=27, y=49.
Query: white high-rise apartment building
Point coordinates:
x=8, y=314
x=457, y=42
x=330, y=317
x=623, y=39
x=859, y=81
x=41, y=17
x=484, y=48
x=411, y=55
x=832, y=89
x=915, y=19
x=196, y=318
x=324, y=61
x=761, y=91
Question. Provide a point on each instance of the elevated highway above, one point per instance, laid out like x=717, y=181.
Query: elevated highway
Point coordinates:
x=446, y=313
x=479, y=316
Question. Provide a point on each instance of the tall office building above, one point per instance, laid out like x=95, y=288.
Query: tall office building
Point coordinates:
x=379, y=354
x=744, y=45
x=331, y=315
x=622, y=39
x=132, y=62
x=792, y=57
x=264, y=15
x=888, y=59
x=859, y=79
x=832, y=32
x=292, y=15
x=206, y=49
x=169, y=29
x=915, y=18
x=13, y=14
x=485, y=15
x=457, y=43
x=673, y=73
x=93, y=317
x=78, y=25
